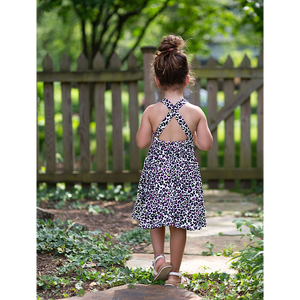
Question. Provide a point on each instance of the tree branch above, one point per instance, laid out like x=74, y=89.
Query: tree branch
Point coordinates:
x=97, y=46
x=95, y=24
x=83, y=34
x=144, y=30
x=122, y=20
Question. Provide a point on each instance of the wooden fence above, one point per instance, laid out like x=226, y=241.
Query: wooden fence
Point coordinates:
x=217, y=77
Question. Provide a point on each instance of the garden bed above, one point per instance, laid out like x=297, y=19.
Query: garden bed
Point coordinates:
x=74, y=260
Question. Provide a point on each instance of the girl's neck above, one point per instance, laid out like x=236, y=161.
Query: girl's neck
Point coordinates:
x=174, y=95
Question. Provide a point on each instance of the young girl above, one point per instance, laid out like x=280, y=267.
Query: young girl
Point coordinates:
x=170, y=189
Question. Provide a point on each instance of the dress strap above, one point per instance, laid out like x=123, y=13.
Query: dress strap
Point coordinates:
x=173, y=112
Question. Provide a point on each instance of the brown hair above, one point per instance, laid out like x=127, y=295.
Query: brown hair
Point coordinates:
x=171, y=64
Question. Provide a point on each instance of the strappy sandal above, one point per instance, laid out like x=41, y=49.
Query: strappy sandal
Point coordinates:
x=163, y=271
x=183, y=280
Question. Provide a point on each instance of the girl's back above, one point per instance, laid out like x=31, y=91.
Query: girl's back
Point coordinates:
x=173, y=131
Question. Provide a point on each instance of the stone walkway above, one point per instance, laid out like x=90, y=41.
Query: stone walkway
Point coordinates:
x=222, y=208
x=140, y=292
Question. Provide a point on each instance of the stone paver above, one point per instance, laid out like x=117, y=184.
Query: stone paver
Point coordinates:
x=190, y=263
x=140, y=292
x=231, y=205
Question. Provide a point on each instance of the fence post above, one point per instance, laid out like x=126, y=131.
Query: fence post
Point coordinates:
x=117, y=119
x=260, y=121
x=195, y=99
x=50, y=137
x=147, y=60
x=100, y=118
x=135, y=154
x=84, y=125
x=229, y=146
x=67, y=112
x=212, y=107
x=245, y=146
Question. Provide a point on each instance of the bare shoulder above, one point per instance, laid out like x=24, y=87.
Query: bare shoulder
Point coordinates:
x=149, y=109
x=195, y=109
x=152, y=108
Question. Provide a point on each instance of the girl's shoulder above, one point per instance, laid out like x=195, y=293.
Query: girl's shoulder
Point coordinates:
x=153, y=108
x=194, y=108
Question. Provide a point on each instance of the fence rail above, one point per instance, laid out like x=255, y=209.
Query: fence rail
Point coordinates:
x=251, y=79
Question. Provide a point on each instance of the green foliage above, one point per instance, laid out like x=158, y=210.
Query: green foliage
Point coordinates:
x=85, y=250
x=83, y=253
x=137, y=236
x=124, y=26
x=253, y=13
x=250, y=259
x=228, y=251
x=80, y=247
x=60, y=196
x=223, y=286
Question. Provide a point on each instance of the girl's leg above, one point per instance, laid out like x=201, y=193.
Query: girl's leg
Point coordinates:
x=177, y=245
x=158, y=243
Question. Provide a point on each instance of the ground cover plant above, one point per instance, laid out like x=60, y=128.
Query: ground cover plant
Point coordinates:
x=59, y=197
x=73, y=260
x=247, y=283
x=83, y=261
x=89, y=261
x=138, y=236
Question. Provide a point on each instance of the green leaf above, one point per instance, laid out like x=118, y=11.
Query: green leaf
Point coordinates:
x=80, y=293
x=239, y=222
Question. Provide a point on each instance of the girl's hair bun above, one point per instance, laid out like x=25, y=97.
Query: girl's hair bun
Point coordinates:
x=170, y=64
x=171, y=42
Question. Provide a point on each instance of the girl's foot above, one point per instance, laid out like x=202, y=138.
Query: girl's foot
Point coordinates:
x=160, y=260
x=161, y=268
x=176, y=279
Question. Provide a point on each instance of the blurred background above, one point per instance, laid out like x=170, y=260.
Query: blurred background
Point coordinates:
x=212, y=28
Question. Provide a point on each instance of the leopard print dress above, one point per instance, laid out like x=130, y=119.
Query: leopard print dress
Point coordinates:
x=170, y=188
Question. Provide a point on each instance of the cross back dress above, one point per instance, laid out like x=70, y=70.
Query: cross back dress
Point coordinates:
x=170, y=188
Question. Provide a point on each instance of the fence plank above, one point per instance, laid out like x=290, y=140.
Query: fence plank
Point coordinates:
x=100, y=117
x=84, y=115
x=147, y=60
x=135, y=153
x=239, y=98
x=229, y=145
x=212, y=107
x=260, y=121
x=117, y=119
x=50, y=137
x=195, y=99
x=245, y=146
x=67, y=112
x=36, y=132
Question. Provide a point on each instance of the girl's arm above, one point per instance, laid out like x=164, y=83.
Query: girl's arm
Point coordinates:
x=203, y=138
x=144, y=134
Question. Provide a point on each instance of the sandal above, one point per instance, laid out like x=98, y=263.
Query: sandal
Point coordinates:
x=163, y=271
x=183, y=280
